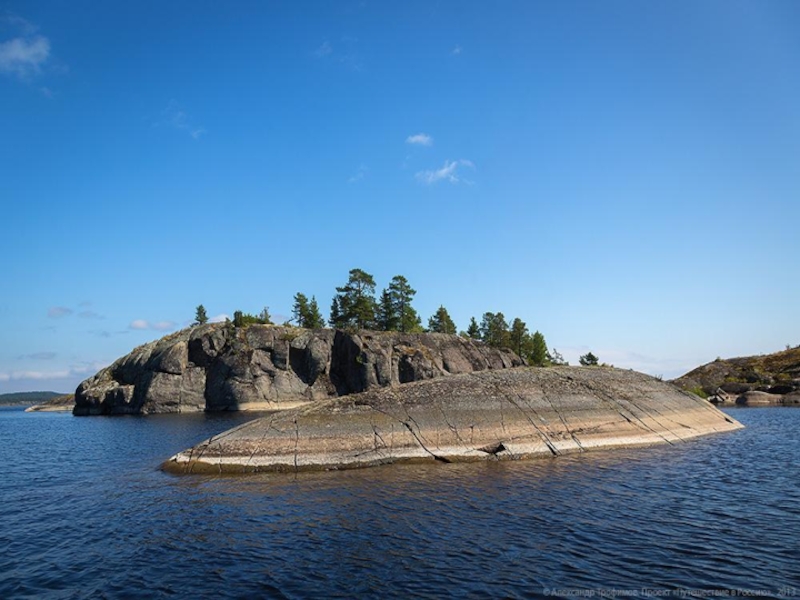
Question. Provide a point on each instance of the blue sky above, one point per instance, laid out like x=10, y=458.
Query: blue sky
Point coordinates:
x=621, y=175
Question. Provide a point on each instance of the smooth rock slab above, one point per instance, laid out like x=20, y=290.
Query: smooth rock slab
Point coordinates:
x=505, y=414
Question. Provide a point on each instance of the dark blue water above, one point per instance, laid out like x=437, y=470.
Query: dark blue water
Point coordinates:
x=87, y=514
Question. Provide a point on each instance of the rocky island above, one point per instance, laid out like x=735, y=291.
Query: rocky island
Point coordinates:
x=507, y=414
x=346, y=399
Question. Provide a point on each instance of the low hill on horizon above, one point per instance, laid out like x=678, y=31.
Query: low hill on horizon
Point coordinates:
x=776, y=373
x=22, y=398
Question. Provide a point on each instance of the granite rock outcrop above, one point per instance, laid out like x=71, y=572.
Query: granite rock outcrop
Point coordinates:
x=490, y=415
x=218, y=367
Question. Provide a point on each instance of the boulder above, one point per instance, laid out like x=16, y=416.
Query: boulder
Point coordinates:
x=754, y=398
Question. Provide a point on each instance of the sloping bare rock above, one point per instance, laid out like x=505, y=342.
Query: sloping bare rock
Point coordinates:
x=217, y=367
x=498, y=414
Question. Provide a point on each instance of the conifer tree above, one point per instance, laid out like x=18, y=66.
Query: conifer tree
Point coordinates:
x=335, y=318
x=494, y=330
x=314, y=319
x=474, y=330
x=400, y=295
x=200, y=317
x=519, y=338
x=386, y=318
x=300, y=309
x=539, y=355
x=354, y=303
x=441, y=322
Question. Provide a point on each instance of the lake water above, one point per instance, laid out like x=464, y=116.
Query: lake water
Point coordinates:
x=87, y=514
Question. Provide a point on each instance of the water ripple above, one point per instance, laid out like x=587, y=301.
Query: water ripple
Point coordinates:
x=87, y=514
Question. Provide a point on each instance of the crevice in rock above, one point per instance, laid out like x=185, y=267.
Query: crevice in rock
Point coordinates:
x=419, y=440
x=545, y=438
x=563, y=420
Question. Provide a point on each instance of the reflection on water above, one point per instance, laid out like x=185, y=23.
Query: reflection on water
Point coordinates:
x=87, y=513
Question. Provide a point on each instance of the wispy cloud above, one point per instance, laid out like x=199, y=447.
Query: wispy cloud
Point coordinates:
x=38, y=356
x=25, y=54
x=56, y=312
x=420, y=139
x=104, y=333
x=221, y=318
x=174, y=116
x=90, y=314
x=24, y=57
x=457, y=50
x=324, y=50
x=449, y=172
x=142, y=324
x=344, y=53
x=80, y=370
x=361, y=172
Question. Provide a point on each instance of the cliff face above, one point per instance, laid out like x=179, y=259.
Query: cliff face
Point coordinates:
x=766, y=379
x=492, y=415
x=217, y=367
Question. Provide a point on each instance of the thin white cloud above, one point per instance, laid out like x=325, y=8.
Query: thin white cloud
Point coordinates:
x=81, y=370
x=324, y=50
x=24, y=56
x=90, y=314
x=56, y=312
x=104, y=333
x=420, y=139
x=219, y=318
x=142, y=324
x=345, y=53
x=174, y=116
x=457, y=50
x=360, y=174
x=38, y=356
x=448, y=172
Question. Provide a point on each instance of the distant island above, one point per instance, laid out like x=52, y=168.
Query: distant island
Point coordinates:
x=26, y=398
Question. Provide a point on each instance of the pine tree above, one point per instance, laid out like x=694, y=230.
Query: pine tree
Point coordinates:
x=200, y=317
x=588, y=360
x=518, y=337
x=314, y=320
x=474, y=330
x=300, y=309
x=441, y=322
x=386, y=318
x=539, y=355
x=401, y=294
x=335, y=318
x=354, y=303
x=264, y=317
x=494, y=330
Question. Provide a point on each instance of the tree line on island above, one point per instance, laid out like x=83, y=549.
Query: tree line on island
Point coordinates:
x=355, y=307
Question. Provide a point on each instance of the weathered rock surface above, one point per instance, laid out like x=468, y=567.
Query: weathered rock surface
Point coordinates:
x=501, y=414
x=217, y=367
